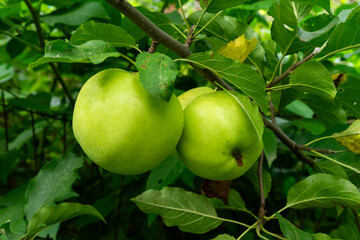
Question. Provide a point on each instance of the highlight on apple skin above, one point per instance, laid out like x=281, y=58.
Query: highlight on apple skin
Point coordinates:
x=122, y=127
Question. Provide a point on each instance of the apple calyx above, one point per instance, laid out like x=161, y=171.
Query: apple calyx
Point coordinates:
x=238, y=157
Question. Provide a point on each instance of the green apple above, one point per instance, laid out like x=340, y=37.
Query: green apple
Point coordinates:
x=193, y=93
x=220, y=140
x=122, y=127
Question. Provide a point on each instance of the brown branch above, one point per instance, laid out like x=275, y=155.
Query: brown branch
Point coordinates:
x=292, y=68
x=35, y=16
x=262, y=211
x=153, y=46
x=163, y=38
x=291, y=144
x=5, y=122
x=62, y=83
x=189, y=38
x=272, y=110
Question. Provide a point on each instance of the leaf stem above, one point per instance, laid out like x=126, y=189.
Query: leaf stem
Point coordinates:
x=282, y=57
x=338, y=50
x=34, y=47
x=183, y=15
x=201, y=16
x=271, y=234
x=247, y=230
x=335, y=161
x=212, y=19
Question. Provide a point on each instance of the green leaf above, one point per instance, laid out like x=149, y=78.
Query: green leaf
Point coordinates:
x=270, y=145
x=235, y=202
x=52, y=183
x=112, y=34
x=299, y=108
x=284, y=26
x=325, y=4
x=314, y=126
x=251, y=174
x=291, y=231
x=157, y=74
x=237, y=74
x=323, y=236
x=218, y=5
x=224, y=28
x=94, y=51
x=165, y=174
x=326, y=110
x=12, y=214
x=38, y=102
x=224, y=237
x=189, y=211
x=345, y=36
x=6, y=234
x=6, y=72
x=8, y=161
x=331, y=168
x=76, y=15
x=323, y=190
x=313, y=78
x=50, y=215
x=348, y=93
x=27, y=134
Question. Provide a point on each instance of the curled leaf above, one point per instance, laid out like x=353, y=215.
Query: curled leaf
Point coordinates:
x=350, y=138
x=238, y=49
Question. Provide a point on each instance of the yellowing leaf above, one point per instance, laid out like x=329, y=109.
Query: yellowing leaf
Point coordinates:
x=238, y=49
x=350, y=138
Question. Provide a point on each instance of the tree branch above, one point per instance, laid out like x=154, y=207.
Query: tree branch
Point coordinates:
x=163, y=38
x=293, y=67
x=262, y=211
x=153, y=47
x=292, y=145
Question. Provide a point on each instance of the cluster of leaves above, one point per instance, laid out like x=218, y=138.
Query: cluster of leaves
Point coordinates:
x=301, y=70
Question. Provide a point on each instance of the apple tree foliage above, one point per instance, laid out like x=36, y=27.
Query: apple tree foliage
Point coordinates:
x=299, y=61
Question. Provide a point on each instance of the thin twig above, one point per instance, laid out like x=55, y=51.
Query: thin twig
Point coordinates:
x=5, y=122
x=356, y=216
x=34, y=141
x=62, y=83
x=189, y=38
x=292, y=145
x=272, y=109
x=118, y=211
x=309, y=149
x=35, y=16
x=293, y=67
x=54, y=68
x=34, y=47
x=262, y=211
x=153, y=46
